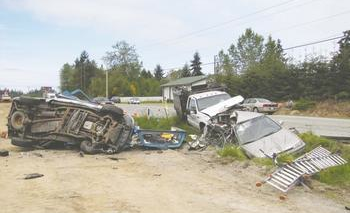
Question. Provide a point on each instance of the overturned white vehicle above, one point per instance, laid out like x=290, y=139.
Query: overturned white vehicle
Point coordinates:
x=223, y=121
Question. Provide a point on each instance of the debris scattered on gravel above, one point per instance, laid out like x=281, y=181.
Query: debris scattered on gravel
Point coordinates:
x=4, y=153
x=38, y=154
x=33, y=175
x=4, y=134
x=115, y=158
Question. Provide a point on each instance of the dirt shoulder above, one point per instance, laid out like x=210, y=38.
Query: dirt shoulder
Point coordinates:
x=327, y=109
x=145, y=181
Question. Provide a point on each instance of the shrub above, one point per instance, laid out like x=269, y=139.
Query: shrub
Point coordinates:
x=342, y=96
x=339, y=175
x=233, y=152
x=303, y=104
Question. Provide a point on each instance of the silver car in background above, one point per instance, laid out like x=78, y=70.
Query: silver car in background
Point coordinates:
x=134, y=101
x=260, y=105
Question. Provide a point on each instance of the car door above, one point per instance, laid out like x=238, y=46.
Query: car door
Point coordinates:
x=192, y=110
x=246, y=103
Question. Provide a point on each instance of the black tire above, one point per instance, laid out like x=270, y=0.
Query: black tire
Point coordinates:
x=17, y=120
x=112, y=110
x=88, y=148
x=255, y=109
x=22, y=142
x=29, y=100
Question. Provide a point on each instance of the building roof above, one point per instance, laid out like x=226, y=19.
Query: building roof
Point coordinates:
x=185, y=81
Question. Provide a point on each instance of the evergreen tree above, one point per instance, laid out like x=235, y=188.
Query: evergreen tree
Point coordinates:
x=158, y=72
x=196, y=65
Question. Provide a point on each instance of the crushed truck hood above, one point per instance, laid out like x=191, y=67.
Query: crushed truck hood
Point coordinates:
x=222, y=106
x=281, y=141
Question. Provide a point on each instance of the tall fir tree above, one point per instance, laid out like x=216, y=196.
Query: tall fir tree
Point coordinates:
x=158, y=72
x=196, y=65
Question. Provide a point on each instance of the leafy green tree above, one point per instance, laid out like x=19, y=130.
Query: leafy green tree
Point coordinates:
x=145, y=74
x=225, y=63
x=124, y=58
x=66, y=78
x=158, y=72
x=185, y=71
x=196, y=65
x=340, y=66
x=247, y=52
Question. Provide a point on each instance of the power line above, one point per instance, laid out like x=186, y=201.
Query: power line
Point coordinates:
x=174, y=40
x=288, y=48
x=293, y=26
x=222, y=23
x=313, y=21
x=315, y=42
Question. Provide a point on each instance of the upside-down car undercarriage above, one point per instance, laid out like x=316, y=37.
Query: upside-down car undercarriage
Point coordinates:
x=38, y=122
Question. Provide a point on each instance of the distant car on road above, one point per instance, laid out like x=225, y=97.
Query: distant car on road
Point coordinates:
x=115, y=99
x=102, y=100
x=134, y=101
x=260, y=105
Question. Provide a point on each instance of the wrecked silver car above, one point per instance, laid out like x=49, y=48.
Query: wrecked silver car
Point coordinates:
x=61, y=121
x=257, y=134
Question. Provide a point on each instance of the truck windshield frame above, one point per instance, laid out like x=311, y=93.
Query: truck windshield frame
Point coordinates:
x=205, y=102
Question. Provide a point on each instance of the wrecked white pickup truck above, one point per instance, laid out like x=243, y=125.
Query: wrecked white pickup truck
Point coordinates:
x=222, y=121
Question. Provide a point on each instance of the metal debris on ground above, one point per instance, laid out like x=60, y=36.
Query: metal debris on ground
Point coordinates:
x=33, y=175
x=38, y=155
x=290, y=174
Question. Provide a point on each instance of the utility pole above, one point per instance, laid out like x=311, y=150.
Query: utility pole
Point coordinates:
x=106, y=83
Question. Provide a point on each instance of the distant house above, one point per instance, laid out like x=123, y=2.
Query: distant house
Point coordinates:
x=188, y=82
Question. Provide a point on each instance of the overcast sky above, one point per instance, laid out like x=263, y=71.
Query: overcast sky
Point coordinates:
x=38, y=36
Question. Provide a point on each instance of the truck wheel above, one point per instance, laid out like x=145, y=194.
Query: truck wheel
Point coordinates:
x=255, y=109
x=29, y=101
x=88, y=148
x=113, y=110
x=17, y=120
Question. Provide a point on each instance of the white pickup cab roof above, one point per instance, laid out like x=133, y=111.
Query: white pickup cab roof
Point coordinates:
x=206, y=94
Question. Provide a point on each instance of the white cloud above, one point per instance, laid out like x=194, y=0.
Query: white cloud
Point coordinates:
x=124, y=18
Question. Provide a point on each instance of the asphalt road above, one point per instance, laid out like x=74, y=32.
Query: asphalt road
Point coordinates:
x=329, y=127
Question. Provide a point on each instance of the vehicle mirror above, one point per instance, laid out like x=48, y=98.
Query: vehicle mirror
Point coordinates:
x=281, y=122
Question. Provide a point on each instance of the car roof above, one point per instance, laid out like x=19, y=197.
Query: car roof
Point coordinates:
x=246, y=115
x=206, y=94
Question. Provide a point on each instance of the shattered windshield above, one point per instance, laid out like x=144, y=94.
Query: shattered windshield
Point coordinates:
x=255, y=129
x=206, y=102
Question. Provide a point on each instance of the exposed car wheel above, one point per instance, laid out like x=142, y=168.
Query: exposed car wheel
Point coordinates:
x=112, y=109
x=17, y=120
x=29, y=101
x=255, y=109
x=22, y=142
x=88, y=148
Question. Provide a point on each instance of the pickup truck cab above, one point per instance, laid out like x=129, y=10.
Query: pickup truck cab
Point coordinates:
x=201, y=107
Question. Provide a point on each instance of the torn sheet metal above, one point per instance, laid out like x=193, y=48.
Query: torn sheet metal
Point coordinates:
x=288, y=175
x=161, y=139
